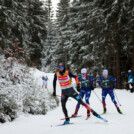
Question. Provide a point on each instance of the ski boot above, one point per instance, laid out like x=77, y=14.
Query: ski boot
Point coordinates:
x=88, y=115
x=119, y=111
x=67, y=121
x=75, y=114
x=104, y=110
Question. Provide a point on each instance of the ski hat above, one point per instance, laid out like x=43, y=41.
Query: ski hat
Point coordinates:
x=105, y=72
x=83, y=71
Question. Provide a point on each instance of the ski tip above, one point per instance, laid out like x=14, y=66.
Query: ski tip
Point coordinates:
x=106, y=121
x=103, y=119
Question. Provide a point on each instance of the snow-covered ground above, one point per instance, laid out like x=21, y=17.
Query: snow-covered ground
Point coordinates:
x=39, y=124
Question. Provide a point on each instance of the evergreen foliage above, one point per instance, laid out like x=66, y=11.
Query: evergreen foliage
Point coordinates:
x=95, y=34
x=23, y=21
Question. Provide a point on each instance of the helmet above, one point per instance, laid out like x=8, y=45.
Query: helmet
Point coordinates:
x=105, y=72
x=83, y=71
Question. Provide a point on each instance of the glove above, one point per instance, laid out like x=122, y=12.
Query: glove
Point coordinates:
x=54, y=93
x=78, y=88
x=92, y=87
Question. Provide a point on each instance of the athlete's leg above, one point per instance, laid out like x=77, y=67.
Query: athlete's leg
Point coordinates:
x=87, y=96
x=111, y=93
x=63, y=103
x=78, y=98
x=104, y=94
x=78, y=104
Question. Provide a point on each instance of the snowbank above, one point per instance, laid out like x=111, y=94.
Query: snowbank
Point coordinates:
x=40, y=124
x=21, y=91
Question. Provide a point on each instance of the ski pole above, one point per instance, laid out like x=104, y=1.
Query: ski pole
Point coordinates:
x=117, y=98
x=60, y=97
x=97, y=96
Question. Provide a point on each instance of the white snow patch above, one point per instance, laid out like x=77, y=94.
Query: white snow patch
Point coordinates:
x=39, y=124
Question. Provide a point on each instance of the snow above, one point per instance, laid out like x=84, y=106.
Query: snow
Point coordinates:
x=21, y=90
x=116, y=1
x=46, y=124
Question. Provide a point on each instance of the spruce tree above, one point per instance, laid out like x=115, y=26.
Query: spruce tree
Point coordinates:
x=23, y=21
x=50, y=43
x=61, y=52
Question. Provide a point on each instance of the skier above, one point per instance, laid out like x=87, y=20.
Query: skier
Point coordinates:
x=131, y=81
x=64, y=78
x=44, y=80
x=86, y=82
x=108, y=84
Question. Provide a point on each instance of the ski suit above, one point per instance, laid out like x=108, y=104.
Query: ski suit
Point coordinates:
x=86, y=87
x=107, y=88
x=131, y=81
x=44, y=81
x=131, y=77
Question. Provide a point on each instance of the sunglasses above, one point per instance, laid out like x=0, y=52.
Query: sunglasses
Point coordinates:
x=61, y=67
x=84, y=74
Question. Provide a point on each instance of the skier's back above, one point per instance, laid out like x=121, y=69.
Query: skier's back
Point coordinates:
x=131, y=80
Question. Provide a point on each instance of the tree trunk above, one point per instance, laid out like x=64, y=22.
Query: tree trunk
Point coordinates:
x=117, y=54
x=118, y=70
x=114, y=66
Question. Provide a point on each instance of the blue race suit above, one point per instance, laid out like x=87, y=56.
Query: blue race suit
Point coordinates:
x=107, y=88
x=131, y=78
x=131, y=81
x=86, y=86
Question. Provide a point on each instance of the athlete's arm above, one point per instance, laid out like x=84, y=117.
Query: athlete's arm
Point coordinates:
x=92, y=80
x=71, y=75
x=54, y=85
x=114, y=81
x=99, y=81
